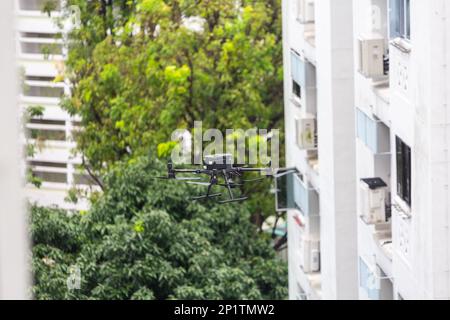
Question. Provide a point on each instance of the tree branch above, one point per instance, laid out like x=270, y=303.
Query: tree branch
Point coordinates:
x=92, y=175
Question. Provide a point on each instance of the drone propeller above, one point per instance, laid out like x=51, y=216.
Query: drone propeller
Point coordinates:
x=254, y=180
x=188, y=178
x=178, y=179
x=206, y=184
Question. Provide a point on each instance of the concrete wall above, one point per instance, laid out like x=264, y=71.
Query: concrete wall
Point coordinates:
x=13, y=241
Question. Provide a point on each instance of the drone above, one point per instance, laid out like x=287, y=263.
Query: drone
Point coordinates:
x=221, y=173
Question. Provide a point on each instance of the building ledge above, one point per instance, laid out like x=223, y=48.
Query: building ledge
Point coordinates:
x=401, y=44
x=37, y=14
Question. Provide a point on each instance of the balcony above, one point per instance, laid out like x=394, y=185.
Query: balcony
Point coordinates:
x=373, y=281
x=373, y=133
x=294, y=193
x=305, y=197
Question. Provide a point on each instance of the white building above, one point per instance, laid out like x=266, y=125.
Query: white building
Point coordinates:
x=41, y=55
x=14, y=277
x=366, y=100
x=402, y=129
x=320, y=144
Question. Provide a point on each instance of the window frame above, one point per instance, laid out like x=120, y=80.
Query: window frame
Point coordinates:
x=296, y=89
x=403, y=164
x=296, y=73
x=400, y=19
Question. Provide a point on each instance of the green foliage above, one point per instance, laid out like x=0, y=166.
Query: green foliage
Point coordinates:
x=144, y=239
x=35, y=111
x=30, y=177
x=30, y=147
x=165, y=149
x=48, y=6
x=139, y=72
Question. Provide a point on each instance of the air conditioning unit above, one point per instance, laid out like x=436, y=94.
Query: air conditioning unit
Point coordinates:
x=310, y=255
x=373, y=200
x=306, y=133
x=305, y=11
x=371, y=57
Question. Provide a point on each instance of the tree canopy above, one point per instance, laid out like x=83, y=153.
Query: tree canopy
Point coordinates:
x=142, y=68
x=147, y=240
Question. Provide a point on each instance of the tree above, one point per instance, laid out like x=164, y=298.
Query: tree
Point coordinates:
x=147, y=240
x=141, y=69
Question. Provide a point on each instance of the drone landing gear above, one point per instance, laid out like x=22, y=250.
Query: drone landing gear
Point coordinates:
x=215, y=195
x=234, y=200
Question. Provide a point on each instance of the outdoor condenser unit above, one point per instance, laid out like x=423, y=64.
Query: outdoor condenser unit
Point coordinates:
x=305, y=11
x=371, y=57
x=373, y=200
x=310, y=255
x=306, y=133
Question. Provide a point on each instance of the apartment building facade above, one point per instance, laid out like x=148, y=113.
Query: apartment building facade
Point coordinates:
x=41, y=54
x=367, y=126
x=320, y=149
x=401, y=100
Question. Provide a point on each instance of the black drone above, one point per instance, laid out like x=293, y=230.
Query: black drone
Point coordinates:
x=221, y=172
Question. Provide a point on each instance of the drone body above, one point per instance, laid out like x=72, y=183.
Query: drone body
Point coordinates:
x=221, y=173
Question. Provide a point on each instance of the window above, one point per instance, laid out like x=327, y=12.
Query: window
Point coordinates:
x=43, y=87
x=38, y=5
x=47, y=164
x=84, y=179
x=296, y=89
x=40, y=43
x=53, y=177
x=54, y=172
x=48, y=122
x=297, y=73
x=403, y=153
x=44, y=135
x=32, y=47
x=43, y=91
x=305, y=11
x=400, y=19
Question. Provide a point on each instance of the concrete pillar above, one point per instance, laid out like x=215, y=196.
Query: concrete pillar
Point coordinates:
x=336, y=134
x=13, y=243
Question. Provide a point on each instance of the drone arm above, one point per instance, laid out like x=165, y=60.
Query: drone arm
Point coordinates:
x=189, y=171
x=266, y=170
